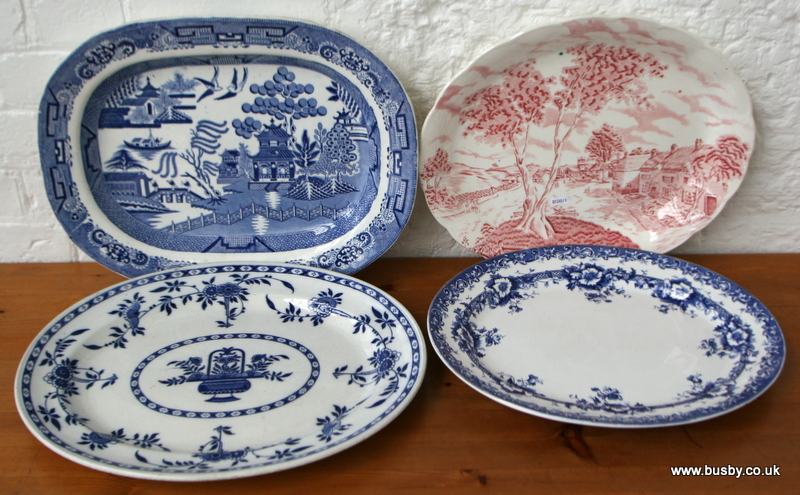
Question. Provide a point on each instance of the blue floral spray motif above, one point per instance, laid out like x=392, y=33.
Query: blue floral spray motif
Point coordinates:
x=332, y=425
x=231, y=295
x=384, y=360
x=733, y=340
x=227, y=373
x=214, y=451
x=65, y=377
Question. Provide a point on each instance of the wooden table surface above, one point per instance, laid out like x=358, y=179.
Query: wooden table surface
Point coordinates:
x=450, y=439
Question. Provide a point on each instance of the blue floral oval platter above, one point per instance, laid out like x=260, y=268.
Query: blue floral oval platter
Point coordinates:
x=220, y=371
x=165, y=144
x=606, y=336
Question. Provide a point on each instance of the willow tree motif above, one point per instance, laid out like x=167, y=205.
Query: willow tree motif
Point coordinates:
x=504, y=113
x=205, y=141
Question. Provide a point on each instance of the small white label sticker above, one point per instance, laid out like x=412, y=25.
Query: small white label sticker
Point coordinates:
x=559, y=201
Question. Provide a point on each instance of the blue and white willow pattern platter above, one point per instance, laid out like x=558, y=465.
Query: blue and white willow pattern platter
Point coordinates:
x=220, y=371
x=170, y=143
x=606, y=336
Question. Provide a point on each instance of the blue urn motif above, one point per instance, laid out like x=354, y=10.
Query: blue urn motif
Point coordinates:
x=227, y=373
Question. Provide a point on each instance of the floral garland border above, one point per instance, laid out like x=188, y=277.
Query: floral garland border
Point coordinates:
x=769, y=366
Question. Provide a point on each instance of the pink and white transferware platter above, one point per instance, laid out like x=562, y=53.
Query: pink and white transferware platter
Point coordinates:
x=609, y=131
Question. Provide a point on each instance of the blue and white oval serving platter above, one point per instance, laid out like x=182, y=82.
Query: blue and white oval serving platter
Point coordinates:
x=170, y=143
x=220, y=371
x=606, y=336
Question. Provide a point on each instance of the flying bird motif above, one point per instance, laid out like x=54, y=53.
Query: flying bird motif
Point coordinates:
x=212, y=86
x=235, y=87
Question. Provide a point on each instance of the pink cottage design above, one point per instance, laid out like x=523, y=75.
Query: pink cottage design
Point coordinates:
x=598, y=131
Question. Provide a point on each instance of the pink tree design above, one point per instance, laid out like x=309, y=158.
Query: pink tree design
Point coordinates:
x=503, y=114
x=600, y=74
x=720, y=163
x=603, y=147
x=435, y=168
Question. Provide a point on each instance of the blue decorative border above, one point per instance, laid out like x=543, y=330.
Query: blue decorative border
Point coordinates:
x=174, y=38
x=33, y=421
x=450, y=298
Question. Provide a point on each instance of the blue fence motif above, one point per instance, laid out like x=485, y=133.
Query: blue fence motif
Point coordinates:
x=254, y=209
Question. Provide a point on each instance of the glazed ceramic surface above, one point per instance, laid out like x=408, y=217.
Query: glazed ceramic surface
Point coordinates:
x=604, y=131
x=606, y=336
x=220, y=371
x=169, y=143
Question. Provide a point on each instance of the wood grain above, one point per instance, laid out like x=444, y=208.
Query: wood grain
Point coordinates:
x=451, y=439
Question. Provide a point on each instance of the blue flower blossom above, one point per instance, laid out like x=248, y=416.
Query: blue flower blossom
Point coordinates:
x=384, y=360
x=735, y=339
x=586, y=276
x=211, y=291
x=677, y=290
x=100, y=441
x=502, y=286
x=500, y=291
x=324, y=303
x=229, y=290
x=62, y=374
x=330, y=427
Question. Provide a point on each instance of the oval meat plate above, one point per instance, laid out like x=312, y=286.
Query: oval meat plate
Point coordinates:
x=220, y=371
x=606, y=336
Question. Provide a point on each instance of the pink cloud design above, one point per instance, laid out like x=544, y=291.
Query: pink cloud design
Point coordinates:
x=472, y=154
x=485, y=71
x=449, y=93
x=701, y=76
x=645, y=123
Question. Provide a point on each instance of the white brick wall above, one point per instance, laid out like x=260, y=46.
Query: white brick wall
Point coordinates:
x=425, y=42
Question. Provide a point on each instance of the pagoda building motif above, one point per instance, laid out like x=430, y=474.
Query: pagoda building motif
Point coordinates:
x=274, y=163
x=228, y=170
x=148, y=108
x=128, y=183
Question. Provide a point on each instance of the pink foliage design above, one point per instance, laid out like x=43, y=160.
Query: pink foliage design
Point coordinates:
x=503, y=113
x=436, y=167
x=721, y=163
x=604, y=146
